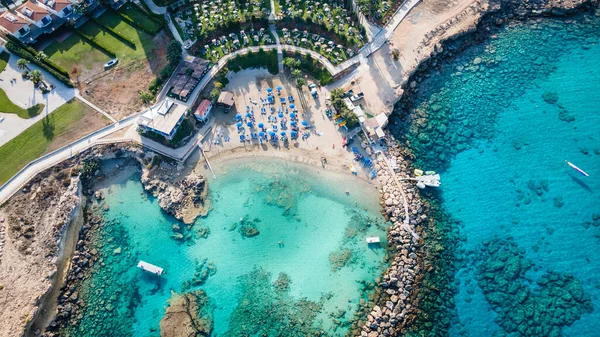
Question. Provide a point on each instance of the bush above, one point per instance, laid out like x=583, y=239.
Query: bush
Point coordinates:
x=22, y=53
x=267, y=59
x=116, y=34
x=91, y=40
x=309, y=66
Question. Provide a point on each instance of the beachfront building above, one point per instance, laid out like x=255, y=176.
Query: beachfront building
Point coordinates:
x=187, y=77
x=373, y=127
x=15, y=25
x=226, y=99
x=203, y=110
x=163, y=118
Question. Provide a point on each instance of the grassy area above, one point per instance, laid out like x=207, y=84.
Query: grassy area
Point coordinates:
x=138, y=16
x=75, y=52
x=68, y=123
x=7, y=106
x=4, y=57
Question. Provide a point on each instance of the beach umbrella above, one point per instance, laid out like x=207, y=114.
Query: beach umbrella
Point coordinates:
x=249, y=114
x=282, y=133
x=261, y=125
x=279, y=88
x=239, y=124
x=262, y=134
x=294, y=134
x=269, y=90
x=292, y=105
x=305, y=123
x=293, y=123
x=280, y=115
x=272, y=134
x=250, y=124
x=238, y=116
x=292, y=115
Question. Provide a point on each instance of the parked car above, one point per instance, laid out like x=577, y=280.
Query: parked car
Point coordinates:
x=111, y=63
x=348, y=93
x=1, y=119
x=356, y=97
x=328, y=113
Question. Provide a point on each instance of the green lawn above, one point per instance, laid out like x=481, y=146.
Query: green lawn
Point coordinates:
x=68, y=123
x=4, y=56
x=74, y=51
x=7, y=106
x=138, y=16
x=143, y=41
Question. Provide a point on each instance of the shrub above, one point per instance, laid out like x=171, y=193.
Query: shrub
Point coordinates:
x=20, y=52
x=34, y=52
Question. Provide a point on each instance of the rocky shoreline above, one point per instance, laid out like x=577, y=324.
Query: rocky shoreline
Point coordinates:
x=402, y=292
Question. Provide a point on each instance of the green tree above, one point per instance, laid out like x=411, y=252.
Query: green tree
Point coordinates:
x=174, y=52
x=41, y=56
x=146, y=97
x=300, y=82
x=291, y=63
x=23, y=64
x=296, y=73
x=214, y=94
x=36, y=76
x=337, y=93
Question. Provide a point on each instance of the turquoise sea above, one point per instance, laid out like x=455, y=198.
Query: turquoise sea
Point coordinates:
x=307, y=270
x=498, y=122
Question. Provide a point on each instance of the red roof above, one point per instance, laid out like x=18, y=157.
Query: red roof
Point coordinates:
x=12, y=22
x=203, y=108
x=32, y=11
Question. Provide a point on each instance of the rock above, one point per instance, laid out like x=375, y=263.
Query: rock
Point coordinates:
x=188, y=314
x=117, y=251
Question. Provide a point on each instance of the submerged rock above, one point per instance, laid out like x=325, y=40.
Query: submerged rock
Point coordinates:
x=188, y=315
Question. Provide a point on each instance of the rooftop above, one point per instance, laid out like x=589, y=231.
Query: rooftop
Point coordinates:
x=57, y=5
x=226, y=98
x=32, y=11
x=12, y=22
x=203, y=108
x=163, y=117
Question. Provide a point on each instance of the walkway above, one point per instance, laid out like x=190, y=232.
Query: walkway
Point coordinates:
x=93, y=106
x=406, y=224
x=278, y=44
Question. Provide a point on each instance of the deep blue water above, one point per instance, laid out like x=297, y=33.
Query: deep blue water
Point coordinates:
x=499, y=121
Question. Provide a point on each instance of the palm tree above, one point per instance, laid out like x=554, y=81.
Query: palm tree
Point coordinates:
x=146, y=97
x=23, y=64
x=36, y=76
x=41, y=56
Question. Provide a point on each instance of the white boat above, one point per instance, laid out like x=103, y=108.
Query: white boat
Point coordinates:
x=421, y=185
x=373, y=239
x=150, y=268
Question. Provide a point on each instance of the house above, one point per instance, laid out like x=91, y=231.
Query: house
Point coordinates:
x=203, y=110
x=187, y=77
x=373, y=127
x=14, y=25
x=163, y=118
x=226, y=99
x=61, y=8
x=35, y=14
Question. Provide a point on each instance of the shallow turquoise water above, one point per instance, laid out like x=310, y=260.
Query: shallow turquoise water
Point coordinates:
x=321, y=219
x=502, y=147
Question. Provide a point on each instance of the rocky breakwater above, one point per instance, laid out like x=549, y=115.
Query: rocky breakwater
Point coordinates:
x=33, y=220
x=396, y=301
x=183, y=196
x=188, y=315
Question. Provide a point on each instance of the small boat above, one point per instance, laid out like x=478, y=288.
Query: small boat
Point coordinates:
x=577, y=168
x=429, y=173
x=373, y=239
x=352, y=169
x=111, y=63
x=418, y=172
x=421, y=185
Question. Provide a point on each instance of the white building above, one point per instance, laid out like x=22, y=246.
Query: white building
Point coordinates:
x=163, y=118
x=203, y=111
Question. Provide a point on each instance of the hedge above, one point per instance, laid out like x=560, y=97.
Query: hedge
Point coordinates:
x=267, y=59
x=91, y=40
x=24, y=53
x=116, y=34
x=140, y=26
x=34, y=52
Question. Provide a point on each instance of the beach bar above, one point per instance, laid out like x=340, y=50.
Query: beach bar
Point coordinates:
x=150, y=268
